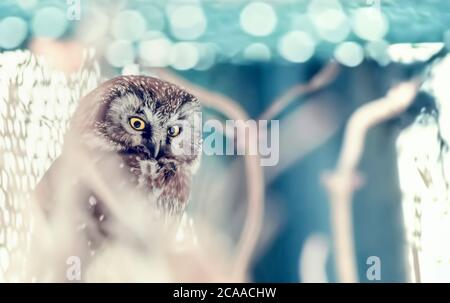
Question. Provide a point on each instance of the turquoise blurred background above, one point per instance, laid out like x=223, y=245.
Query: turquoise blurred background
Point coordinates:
x=254, y=51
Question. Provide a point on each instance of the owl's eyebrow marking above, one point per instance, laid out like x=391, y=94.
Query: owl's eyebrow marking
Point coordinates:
x=138, y=93
x=157, y=104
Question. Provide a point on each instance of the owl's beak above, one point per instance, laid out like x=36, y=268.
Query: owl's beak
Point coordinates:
x=156, y=148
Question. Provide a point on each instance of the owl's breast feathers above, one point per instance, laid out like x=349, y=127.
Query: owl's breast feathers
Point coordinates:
x=167, y=181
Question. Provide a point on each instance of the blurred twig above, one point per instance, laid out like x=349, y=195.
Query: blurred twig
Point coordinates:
x=321, y=79
x=305, y=129
x=314, y=121
x=342, y=182
x=254, y=172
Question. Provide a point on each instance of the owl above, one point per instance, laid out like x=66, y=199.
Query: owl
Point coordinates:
x=145, y=127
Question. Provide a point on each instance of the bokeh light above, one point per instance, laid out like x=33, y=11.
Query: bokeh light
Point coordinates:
x=349, y=53
x=296, y=46
x=187, y=22
x=207, y=56
x=154, y=51
x=129, y=25
x=258, y=19
x=49, y=22
x=378, y=51
x=27, y=4
x=329, y=19
x=94, y=27
x=257, y=52
x=154, y=16
x=370, y=24
x=120, y=53
x=13, y=31
x=131, y=69
x=183, y=56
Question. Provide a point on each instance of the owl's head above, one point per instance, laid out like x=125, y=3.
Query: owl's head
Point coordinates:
x=142, y=115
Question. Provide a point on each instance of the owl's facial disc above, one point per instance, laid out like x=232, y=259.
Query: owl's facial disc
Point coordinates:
x=154, y=122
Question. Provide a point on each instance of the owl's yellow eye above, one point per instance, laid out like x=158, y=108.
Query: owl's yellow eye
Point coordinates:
x=137, y=123
x=174, y=131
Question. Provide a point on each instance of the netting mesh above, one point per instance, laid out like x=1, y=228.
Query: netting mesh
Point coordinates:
x=36, y=104
x=423, y=162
